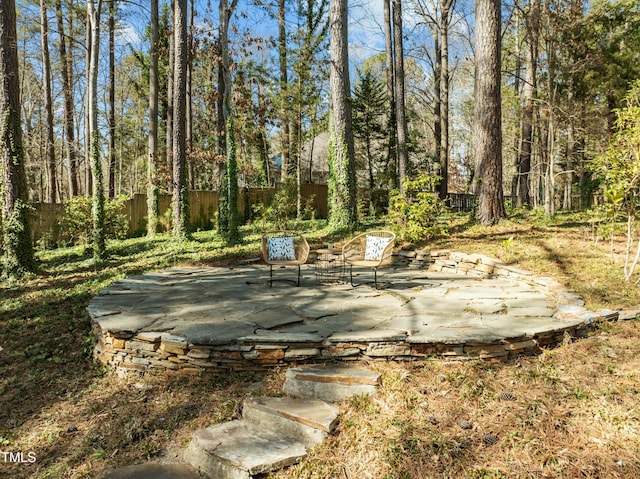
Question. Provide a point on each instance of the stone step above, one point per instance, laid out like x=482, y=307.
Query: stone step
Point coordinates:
x=239, y=450
x=330, y=383
x=308, y=421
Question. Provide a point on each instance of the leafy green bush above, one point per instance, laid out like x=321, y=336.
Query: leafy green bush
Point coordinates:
x=283, y=207
x=76, y=224
x=416, y=213
x=619, y=170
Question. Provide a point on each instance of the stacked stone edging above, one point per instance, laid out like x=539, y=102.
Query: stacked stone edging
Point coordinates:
x=163, y=352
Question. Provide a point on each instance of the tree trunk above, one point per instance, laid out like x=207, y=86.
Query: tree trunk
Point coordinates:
x=170, y=94
x=112, y=100
x=516, y=90
x=583, y=201
x=445, y=20
x=488, y=113
x=389, y=74
x=180, y=189
x=66, y=68
x=87, y=128
x=284, y=91
x=152, y=181
x=228, y=208
x=190, y=162
x=401, y=118
x=50, y=153
x=528, y=93
x=263, y=144
x=550, y=177
x=93, y=16
x=342, y=184
x=18, y=251
x=437, y=96
x=567, y=202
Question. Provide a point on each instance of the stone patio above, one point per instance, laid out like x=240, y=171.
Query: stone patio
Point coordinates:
x=434, y=304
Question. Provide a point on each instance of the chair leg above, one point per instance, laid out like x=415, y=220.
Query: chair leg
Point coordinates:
x=298, y=276
x=270, y=275
x=351, y=276
x=375, y=277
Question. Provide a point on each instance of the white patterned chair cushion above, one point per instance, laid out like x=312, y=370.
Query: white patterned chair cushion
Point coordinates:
x=281, y=248
x=375, y=245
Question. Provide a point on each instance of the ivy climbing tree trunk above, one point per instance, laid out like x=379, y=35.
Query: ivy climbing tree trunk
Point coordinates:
x=342, y=178
x=98, y=236
x=112, y=100
x=228, y=219
x=18, y=252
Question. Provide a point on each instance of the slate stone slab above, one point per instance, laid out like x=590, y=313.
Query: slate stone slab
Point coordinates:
x=458, y=335
x=262, y=336
x=330, y=383
x=239, y=450
x=214, y=333
x=368, y=336
x=273, y=317
x=305, y=420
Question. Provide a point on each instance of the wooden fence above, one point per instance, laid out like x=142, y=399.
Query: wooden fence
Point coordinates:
x=203, y=207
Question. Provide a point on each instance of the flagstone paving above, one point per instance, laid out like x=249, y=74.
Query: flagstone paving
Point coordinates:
x=192, y=319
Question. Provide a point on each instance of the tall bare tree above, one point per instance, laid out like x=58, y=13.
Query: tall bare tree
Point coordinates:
x=50, y=153
x=389, y=76
x=487, y=125
x=528, y=97
x=152, y=165
x=342, y=185
x=437, y=15
x=190, y=161
x=401, y=111
x=170, y=95
x=284, y=90
x=66, y=68
x=446, y=8
x=18, y=252
x=180, y=187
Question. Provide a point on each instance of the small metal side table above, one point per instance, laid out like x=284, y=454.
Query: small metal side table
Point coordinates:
x=330, y=268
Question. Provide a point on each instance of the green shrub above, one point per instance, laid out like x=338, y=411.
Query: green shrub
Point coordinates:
x=283, y=206
x=76, y=224
x=416, y=213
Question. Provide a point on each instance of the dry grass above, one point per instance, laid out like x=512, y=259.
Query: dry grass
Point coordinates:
x=570, y=412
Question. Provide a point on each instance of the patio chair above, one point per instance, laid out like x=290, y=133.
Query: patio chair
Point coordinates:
x=369, y=250
x=284, y=248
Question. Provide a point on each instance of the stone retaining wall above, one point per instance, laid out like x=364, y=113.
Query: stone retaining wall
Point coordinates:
x=161, y=352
